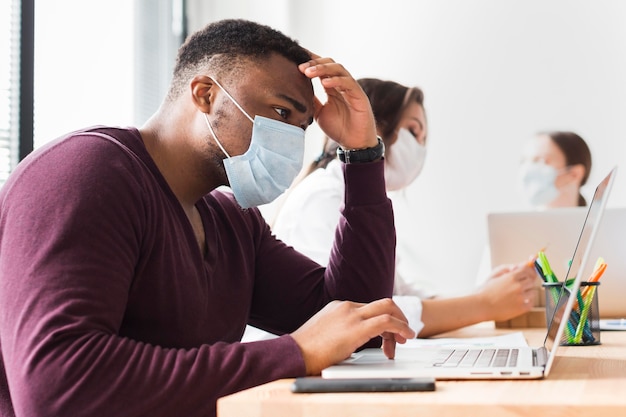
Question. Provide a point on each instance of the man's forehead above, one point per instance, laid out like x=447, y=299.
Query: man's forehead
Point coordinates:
x=287, y=79
x=274, y=76
x=282, y=71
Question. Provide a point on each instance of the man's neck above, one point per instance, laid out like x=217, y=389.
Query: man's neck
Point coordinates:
x=179, y=158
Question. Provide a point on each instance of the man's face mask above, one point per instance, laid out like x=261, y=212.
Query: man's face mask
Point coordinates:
x=270, y=164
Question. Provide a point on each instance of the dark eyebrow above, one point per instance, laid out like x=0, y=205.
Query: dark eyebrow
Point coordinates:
x=299, y=106
x=296, y=104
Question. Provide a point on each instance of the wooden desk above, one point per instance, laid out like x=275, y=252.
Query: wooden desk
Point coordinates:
x=584, y=381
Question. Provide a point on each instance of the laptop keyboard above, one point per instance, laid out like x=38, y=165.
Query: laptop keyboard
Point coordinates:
x=477, y=358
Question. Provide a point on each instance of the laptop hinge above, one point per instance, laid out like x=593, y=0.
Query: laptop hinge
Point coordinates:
x=540, y=356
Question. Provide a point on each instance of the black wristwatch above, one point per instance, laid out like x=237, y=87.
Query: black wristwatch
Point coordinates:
x=351, y=156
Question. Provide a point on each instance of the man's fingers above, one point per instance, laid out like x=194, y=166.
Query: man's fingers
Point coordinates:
x=387, y=323
x=389, y=347
x=383, y=316
x=316, y=60
x=331, y=74
x=346, y=116
x=317, y=106
x=384, y=305
x=336, y=81
x=389, y=343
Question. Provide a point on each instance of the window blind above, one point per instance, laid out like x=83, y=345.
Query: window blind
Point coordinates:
x=10, y=27
x=160, y=27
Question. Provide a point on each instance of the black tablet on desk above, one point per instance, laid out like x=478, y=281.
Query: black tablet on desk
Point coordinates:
x=319, y=384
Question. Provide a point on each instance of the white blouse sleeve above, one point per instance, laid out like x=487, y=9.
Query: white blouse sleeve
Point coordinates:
x=411, y=306
x=310, y=214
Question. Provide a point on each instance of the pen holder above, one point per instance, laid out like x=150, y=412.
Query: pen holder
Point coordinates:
x=583, y=327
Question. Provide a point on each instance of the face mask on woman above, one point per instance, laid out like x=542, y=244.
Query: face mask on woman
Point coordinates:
x=537, y=183
x=404, y=161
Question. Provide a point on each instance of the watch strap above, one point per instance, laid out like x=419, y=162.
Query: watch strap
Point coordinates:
x=350, y=156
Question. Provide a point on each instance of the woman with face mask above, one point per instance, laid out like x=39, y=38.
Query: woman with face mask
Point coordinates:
x=554, y=168
x=309, y=215
x=555, y=165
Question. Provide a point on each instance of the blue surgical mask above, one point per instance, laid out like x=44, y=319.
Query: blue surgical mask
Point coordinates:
x=270, y=164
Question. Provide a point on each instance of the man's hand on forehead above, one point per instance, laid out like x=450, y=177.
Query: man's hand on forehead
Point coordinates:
x=347, y=116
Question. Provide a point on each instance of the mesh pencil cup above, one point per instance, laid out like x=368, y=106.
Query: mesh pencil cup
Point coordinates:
x=583, y=326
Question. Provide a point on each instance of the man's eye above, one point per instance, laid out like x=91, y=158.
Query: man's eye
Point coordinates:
x=282, y=112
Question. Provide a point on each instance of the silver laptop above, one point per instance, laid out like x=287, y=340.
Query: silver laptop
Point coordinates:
x=479, y=363
x=515, y=235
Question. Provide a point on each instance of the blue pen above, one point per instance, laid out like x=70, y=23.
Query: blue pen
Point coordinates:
x=587, y=335
x=576, y=315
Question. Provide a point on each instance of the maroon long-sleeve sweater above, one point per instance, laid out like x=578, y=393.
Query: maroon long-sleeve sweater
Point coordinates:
x=109, y=308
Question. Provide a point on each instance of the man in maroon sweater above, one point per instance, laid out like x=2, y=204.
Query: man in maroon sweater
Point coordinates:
x=127, y=279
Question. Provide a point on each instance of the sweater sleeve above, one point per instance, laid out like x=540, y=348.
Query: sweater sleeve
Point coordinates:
x=362, y=262
x=291, y=287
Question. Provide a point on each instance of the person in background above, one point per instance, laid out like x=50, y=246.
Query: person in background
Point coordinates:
x=127, y=278
x=554, y=167
x=308, y=217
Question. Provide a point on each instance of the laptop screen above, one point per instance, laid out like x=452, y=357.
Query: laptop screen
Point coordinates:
x=581, y=267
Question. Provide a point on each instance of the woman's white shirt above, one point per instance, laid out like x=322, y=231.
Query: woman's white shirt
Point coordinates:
x=310, y=213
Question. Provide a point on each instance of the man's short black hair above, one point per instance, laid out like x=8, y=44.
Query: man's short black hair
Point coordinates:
x=223, y=45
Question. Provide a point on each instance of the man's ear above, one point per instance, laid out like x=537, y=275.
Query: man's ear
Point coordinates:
x=203, y=90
